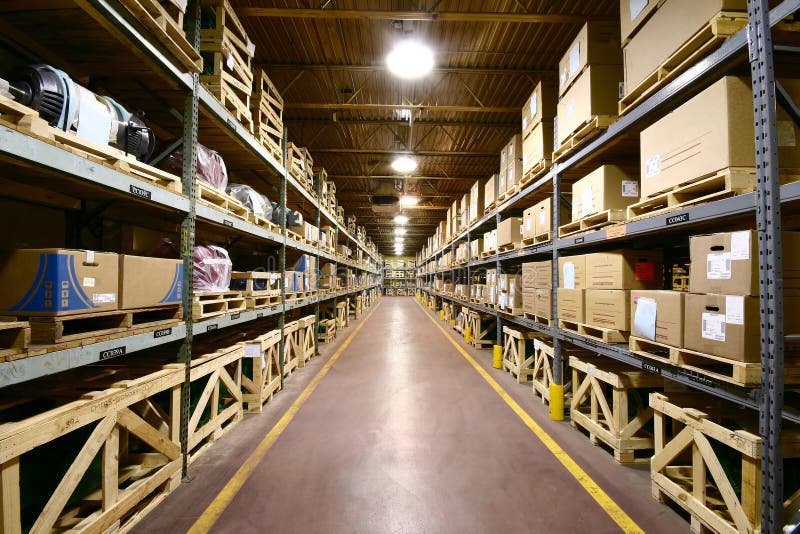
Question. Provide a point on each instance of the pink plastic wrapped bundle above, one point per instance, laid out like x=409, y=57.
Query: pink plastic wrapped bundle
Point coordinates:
x=210, y=166
x=212, y=269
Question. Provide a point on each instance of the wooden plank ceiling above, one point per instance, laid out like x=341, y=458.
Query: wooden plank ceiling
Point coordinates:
x=327, y=59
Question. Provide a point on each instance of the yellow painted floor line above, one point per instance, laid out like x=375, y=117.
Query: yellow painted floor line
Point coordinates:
x=214, y=510
x=601, y=497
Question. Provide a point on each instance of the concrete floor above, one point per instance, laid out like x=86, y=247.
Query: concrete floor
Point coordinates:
x=404, y=436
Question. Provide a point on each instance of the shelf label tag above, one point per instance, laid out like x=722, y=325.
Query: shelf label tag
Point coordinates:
x=650, y=368
x=112, y=353
x=578, y=240
x=140, y=192
x=259, y=315
x=226, y=222
x=236, y=316
x=677, y=219
x=212, y=327
x=162, y=333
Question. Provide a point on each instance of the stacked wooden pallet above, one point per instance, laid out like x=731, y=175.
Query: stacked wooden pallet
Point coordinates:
x=267, y=108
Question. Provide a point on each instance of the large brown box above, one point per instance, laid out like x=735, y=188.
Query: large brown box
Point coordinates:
x=597, y=43
x=543, y=217
x=529, y=276
x=572, y=272
x=464, y=211
x=149, y=282
x=571, y=305
x=529, y=301
x=668, y=28
x=58, y=282
x=541, y=105
x=710, y=132
x=594, y=93
x=660, y=317
x=543, y=303
x=723, y=325
x=476, y=201
x=537, y=146
x=489, y=191
x=509, y=231
x=632, y=14
x=543, y=274
x=625, y=269
x=727, y=263
x=608, y=308
x=606, y=188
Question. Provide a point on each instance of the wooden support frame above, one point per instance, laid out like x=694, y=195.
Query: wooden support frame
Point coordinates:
x=305, y=339
x=263, y=378
x=518, y=353
x=291, y=347
x=483, y=329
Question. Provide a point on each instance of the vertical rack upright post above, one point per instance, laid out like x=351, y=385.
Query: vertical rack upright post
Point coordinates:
x=555, y=222
x=282, y=253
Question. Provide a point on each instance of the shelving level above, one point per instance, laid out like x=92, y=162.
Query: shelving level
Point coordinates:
x=399, y=277
x=770, y=203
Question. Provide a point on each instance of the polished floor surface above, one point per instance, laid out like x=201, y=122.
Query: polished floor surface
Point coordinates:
x=403, y=435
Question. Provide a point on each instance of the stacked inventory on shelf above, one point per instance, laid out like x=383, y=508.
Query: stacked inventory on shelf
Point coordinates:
x=587, y=270
x=399, y=277
x=129, y=251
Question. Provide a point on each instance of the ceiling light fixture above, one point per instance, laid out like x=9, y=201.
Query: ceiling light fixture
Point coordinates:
x=400, y=219
x=407, y=200
x=410, y=59
x=398, y=240
x=404, y=164
x=399, y=231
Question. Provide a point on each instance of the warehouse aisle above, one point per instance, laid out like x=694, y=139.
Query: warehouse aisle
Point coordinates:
x=404, y=435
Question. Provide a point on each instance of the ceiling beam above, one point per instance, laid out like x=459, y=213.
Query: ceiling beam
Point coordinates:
x=411, y=177
x=393, y=122
x=420, y=153
x=392, y=107
x=484, y=71
x=441, y=16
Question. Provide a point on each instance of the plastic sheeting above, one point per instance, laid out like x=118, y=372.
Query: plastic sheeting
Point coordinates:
x=212, y=269
x=210, y=166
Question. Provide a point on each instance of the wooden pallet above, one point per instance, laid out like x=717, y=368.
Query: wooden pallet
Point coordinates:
x=489, y=208
x=719, y=29
x=227, y=60
x=508, y=193
x=651, y=350
x=539, y=319
x=602, y=394
x=535, y=172
x=487, y=253
x=689, y=467
x=267, y=112
x=261, y=378
x=606, y=335
x=510, y=311
x=301, y=166
x=582, y=135
x=592, y=222
x=507, y=247
x=213, y=196
x=727, y=370
x=258, y=220
x=214, y=303
x=63, y=329
x=15, y=337
x=538, y=238
x=164, y=20
x=721, y=184
x=254, y=280
x=258, y=303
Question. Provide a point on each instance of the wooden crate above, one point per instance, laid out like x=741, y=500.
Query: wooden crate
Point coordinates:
x=261, y=377
x=227, y=60
x=595, y=381
x=341, y=315
x=267, y=108
x=257, y=283
x=102, y=417
x=518, y=353
x=164, y=20
x=693, y=432
x=301, y=165
x=483, y=330
x=327, y=330
x=543, y=368
x=306, y=346
x=291, y=347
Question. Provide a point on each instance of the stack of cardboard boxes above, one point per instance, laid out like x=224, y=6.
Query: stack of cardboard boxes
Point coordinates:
x=537, y=130
x=537, y=290
x=490, y=192
x=509, y=233
x=606, y=189
x=476, y=204
x=510, y=168
x=589, y=75
x=490, y=242
x=537, y=221
x=509, y=293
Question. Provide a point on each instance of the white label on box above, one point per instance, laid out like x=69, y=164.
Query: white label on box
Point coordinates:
x=644, y=320
x=569, y=275
x=90, y=256
x=587, y=202
x=104, y=298
x=528, y=224
x=713, y=326
x=524, y=123
x=88, y=282
x=575, y=59
x=252, y=351
x=570, y=108
x=536, y=344
x=734, y=309
x=534, y=104
x=251, y=48
x=630, y=188
x=740, y=245
x=636, y=7
x=229, y=61
x=542, y=217
x=786, y=135
x=524, y=157
x=718, y=266
x=653, y=166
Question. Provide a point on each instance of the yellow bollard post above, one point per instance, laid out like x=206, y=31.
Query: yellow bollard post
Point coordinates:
x=441, y=315
x=498, y=357
x=556, y=401
x=452, y=323
x=467, y=333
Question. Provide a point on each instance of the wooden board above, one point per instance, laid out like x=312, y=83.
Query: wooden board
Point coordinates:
x=606, y=335
x=592, y=222
x=582, y=135
x=535, y=172
x=15, y=337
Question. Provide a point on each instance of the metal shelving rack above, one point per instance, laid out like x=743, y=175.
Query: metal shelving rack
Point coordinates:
x=409, y=276
x=18, y=146
x=754, y=42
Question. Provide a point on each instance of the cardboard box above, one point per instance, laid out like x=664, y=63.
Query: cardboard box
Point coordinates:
x=606, y=188
x=537, y=146
x=501, y=180
x=476, y=246
x=544, y=303
x=658, y=316
x=723, y=325
x=634, y=13
x=529, y=301
x=543, y=274
x=608, y=308
x=490, y=241
x=543, y=218
x=625, y=269
x=509, y=231
x=58, y=282
x=476, y=201
x=597, y=43
x=594, y=93
x=464, y=211
x=571, y=305
x=528, y=276
x=668, y=28
x=149, y=282
x=572, y=272
x=489, y=191
x=514, y=172
x=528, y=222
x=541, y=105
x=710, y=132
